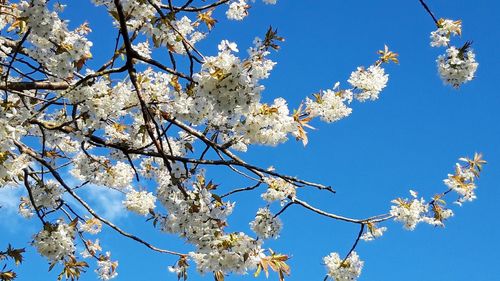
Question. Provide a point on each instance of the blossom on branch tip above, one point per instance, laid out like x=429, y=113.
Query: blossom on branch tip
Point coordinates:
x=446, y=28
x=457, y=66
x=106, y=269
x=343, y=270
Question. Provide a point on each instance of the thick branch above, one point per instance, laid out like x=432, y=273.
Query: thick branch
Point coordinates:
x=36, y=85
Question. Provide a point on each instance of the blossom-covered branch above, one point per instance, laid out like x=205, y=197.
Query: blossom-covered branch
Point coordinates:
x=156, y=116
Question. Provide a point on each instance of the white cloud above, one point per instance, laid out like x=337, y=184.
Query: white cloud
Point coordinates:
x=9, y=200
x=9, y=216
x=105, y=201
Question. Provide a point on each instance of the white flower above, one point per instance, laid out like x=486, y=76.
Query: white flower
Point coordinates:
x=463, y=183
x=106, y=269
x=12, y=167
x=55, y=242
x=439, y=40
x=278, y=189
x=25, y=208
x=373, y=232
x=92, y=226
x=48, y=29
x=457, y=67
x=98, y=170
x=91, y=248
x=268, y=124
x=440, y=215
x=370, y=81
x=4, y=50
x=446, y=28
x=225, y=45
x=237, y=10
x=235, y=252
x=47, y=194
x=329, y=106
x=343, y=271
x=143, y=49
x=168, y=34
x=140, y=202
x=409, y=211
x=265, y=224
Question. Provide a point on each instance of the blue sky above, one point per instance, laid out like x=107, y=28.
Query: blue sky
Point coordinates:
x=410, y=138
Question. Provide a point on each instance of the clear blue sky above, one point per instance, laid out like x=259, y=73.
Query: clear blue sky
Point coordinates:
x=410, y=138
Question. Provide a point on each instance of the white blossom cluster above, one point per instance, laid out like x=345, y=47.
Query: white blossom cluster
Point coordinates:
x=25, y=208
x=92, y=226
x=340, y=270
x=54, y=46
x=192, y=217
x=100, y=103
x=261, y=66
x=143, y=49
x=91, y=248
x=278, y=190
x=238, y=9
x=59, y=141
x=198, y=216
x=446, y=28
x=463, y=182
x=409, y=211
x=98, y=170
x=12, y=117
x=235, y=252
x=47, y=194
x=11, y=167
x=112, y=109
x=373, y=232
x=439, y=215
x=370, y=81
x=140, y=202
x=106, y=269
x=330, y=105
x=97, y=129
x=267, y=124
x=458, y=65
x=227, y=97
x=226, y=86
x=412, y=211
x=7, y=16
x=265, y=224
x=178, y=35
x=4, y=49
x=55, y=242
